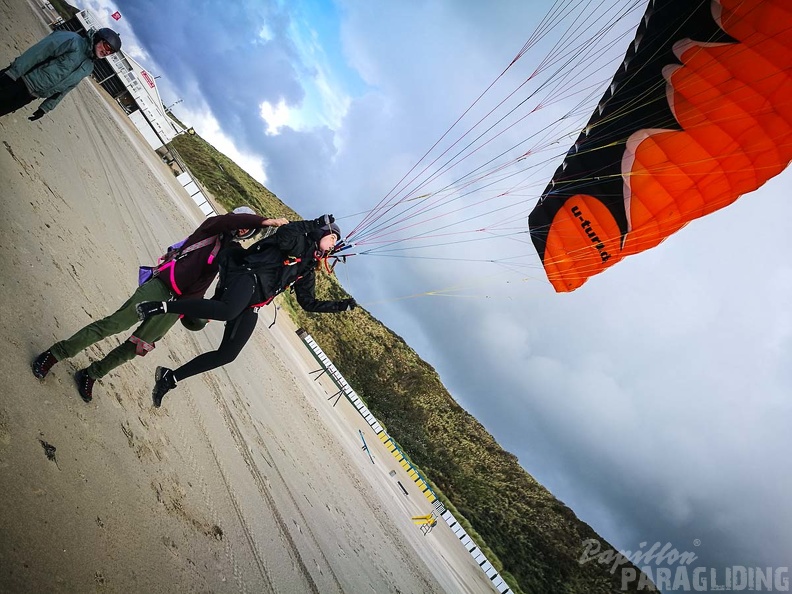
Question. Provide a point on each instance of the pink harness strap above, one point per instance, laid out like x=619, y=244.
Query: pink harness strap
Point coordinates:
x=170, y=265
x=141, y=346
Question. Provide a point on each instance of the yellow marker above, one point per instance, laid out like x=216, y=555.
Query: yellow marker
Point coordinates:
x=427, y=519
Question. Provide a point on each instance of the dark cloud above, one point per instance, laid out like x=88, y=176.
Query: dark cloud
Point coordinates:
x=300, y=170
x=216, y=50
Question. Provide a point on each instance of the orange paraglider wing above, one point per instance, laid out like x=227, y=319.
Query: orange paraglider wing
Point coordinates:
x=699, y=113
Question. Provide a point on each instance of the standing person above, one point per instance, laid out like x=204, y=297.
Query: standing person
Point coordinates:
x=249, y=279
x=186, y=273
x=53, y=67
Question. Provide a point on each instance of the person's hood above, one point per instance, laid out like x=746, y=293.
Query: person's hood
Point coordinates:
x=89, y=35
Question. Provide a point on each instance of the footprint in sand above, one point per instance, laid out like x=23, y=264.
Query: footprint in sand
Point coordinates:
x=5, y=433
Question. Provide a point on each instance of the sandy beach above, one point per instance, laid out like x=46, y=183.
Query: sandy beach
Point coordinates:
x=248, y=479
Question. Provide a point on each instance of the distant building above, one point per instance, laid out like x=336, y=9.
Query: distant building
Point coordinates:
x=131, y=85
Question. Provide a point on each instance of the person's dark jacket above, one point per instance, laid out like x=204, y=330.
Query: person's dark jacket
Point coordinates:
x=54, y=66
x=287, y=258
x=194, y=272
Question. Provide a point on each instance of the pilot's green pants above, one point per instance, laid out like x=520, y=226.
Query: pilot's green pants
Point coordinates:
x=141, y=341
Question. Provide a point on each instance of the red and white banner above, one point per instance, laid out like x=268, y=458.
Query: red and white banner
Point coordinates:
x=147, y=77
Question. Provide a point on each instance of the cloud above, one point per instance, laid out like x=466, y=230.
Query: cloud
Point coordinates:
x=275, y=116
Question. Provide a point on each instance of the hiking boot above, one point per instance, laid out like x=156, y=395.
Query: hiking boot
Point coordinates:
x=85, y=384
x=43, y=363
x=146, y=309
x=164, y=382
